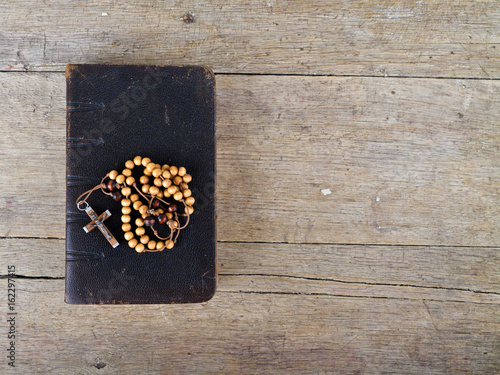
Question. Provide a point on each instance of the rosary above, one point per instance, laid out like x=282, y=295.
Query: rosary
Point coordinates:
x=169, y=182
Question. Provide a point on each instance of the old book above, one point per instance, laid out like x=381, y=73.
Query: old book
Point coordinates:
x=114, y=113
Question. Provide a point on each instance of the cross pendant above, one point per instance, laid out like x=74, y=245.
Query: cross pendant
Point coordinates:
x=97, y=221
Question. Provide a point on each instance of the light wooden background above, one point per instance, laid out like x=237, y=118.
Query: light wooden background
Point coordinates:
x=392, y=105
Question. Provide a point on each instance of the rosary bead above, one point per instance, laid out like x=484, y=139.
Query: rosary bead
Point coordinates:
x=190, y=201
x=113, y=174
x=111, y=185
x=126, y=210
x=137, y=160
x=127, y=172
x=170, y=244
x=144, y=180
x=137, y=204
x=140, y=231
x=160, y=211
x=189, y=210
x=134, y=198
x=173, y=170
x=157, y=172
x=129, y=164
x=160, y=194
x=143, y=209
x=183, y=186
x=156, y=203
x=166, y=183
x=130, y=180
x=172, y=224
x=140, y=248
x=126, y=227
x=126, y=218
x=162, y=219
x=177, y=180
x=187, y=178
x=150, y=167
x=172, y=208
x=139, y=222
x=157, y=181
x=120, y=179
x=149, y=221
x=126, y=202
x=117, y=195
x=144, y=239
x=178, y=196
x=145, y=189
x=165, y=166
x=172, y=189
x=182, y=171
x=186, y=193
x=160, y=245
x=147, y=173
x=128, y=236
x=153, y=190
x=145, y=161
x=152, y=245
x=166, y=174
x=133, y=242
x=126, y=191
x=170, y=215
x=166, y=193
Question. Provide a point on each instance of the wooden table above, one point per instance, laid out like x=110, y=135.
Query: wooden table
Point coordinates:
x=392, y=105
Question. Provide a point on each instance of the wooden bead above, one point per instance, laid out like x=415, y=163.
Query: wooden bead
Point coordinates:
x=113, y=174
x=157, y=172
x=166, y=194
x=183, y=186
x=120, y=179
x=126, y=227
x=133, y=242
x=129, y=164
x=162, y=219
x=130, y=181
x=147, y=173
x=153, y=190
x=140, y=248
x=189, y=210
x=166, y=183
x=177, y=180
x=160, y=245
x=150, y=167
x=187, y=178
x=166, y=174
x=165, y=166
x=144, y=239
x=140, y=231
x=144, y=180
x=155, y=203
x=157, y=182
x=126, y=218
x=170, y=244
x=186, y=193
x=152, y=245
x=127, y=172
x=139, y=222
x=111, y=185
x=126, y=202
x=149, y=221
x=173, y=170
x=145, y=188
x=134, y=198
x=137, y=205
x=161, y=211
x=178, y=196
x=137, y=160
x=182, y=171
x=172, y=224
x=172, y=189
x=126, y=210
x=126, y=191
x=117, y=195
x=170, y=216
x=143, y=209
x=128, y=236
x=160, y=194
x=189, y=201
x=145, y=161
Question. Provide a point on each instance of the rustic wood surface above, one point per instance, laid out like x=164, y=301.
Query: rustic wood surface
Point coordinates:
x=396, y=271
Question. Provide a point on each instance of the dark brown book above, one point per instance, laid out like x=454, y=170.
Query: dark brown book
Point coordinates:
x=114, y=113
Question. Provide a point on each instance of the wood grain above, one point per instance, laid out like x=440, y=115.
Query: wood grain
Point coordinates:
x=412, y=161
x=377, y=38
x=254, y=332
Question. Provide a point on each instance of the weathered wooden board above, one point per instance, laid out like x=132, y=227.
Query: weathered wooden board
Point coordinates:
x=253, y=332
x=432, y=38
x=408, y=161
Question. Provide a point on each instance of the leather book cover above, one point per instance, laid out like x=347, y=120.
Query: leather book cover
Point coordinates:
x=115, y=113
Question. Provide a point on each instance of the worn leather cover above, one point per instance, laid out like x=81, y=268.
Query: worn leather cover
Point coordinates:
x=114, y=113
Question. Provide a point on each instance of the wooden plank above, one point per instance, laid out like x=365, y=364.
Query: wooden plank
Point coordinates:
x=360, y=37
x=252, y=332
x=463, y=274
x=408, y=161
